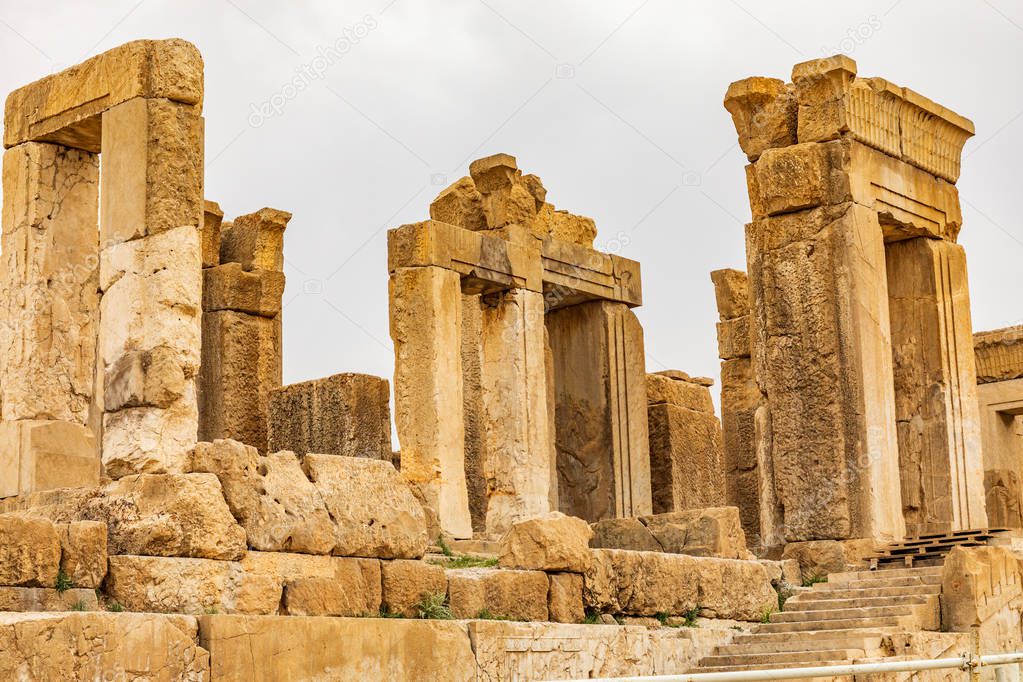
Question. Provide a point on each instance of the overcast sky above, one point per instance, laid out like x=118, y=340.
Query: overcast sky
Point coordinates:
x=615, y=105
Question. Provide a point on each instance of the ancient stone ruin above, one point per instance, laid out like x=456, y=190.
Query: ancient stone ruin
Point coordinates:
x=170, y=510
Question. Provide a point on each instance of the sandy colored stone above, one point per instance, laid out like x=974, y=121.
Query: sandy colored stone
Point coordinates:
x=256, y=240
x=764, y=113
x=291, y=647
x=731, y=293
x=241, y=366
x=502, y=593
x=150, y=439
x=999, y=403
x=573, y=228
x=229, y=287
x=460, y=204
x=627, y=533
x=269, y=495
x=83, y=557
x=472, y=409
x=601, y=421
x=554, y=542
x=65, y=107
x=505, y=198
x=999, y=354
x=648, y=583
x=343, y=414
x=354, y=590
x=733, y=338
x=818, y=558
x=576, y=274
x=48, y=283
x=25, y=599
x=44, y=455
x=29, y=551
x=192, y=586
x=374, y=512
x=800, y=176
x=213, y=218
x=146, y=378
x=144, y=647
x=686, y=393
x=565, y=600
x=152, y=178
x=407, y=582
x=712, y=531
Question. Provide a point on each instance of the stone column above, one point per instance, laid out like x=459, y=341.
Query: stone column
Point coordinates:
x=150, y=276
x=513, y=387
x=935, y=387
x=50, y=307
x=602, y=441
x=426, y=312
x=241, y=329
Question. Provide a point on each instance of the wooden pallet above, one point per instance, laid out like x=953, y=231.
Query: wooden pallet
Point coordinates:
x=930, y=548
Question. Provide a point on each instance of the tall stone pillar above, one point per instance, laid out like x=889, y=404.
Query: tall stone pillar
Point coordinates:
x=600, y=394
x=935, y=387
x=150, y=276
x=426, y=322
x=516, y=434
x=839, y=166
x=241, y=329
x=48, y=291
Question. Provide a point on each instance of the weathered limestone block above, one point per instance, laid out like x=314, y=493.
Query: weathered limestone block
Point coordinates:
x=576, y=274
x=714, y=532
x=38, y=646
x=269, y=495
x=213, y=218
x=764, y=113
x=460, y=204
x=554, y=542
x=83, y=556
x=150, y=439
x=976, y=584
x=504, y=196
x=517, y=455
x=628, y=533
x=192, y=586
x=64, y=107
x=999, y=354
x=936, y=411
x=733, y=338
x=472, y=410
x=678, y=388
x=565, y=600
x=824, y=361
x=572, y=228
x=44, y=455
x=731, y=292
x=502, y=593
x=374, y=511
x=822, y=87
x=152, y=178
x=291, y=647
x=353, y=590
x=29, y=551
x=1000, y=404
x=256, y=240
x=406, y=583
x=343, y=414
x=818, y=558
x=24, y=599
x=145, y=378
x=799, y=177
x=425, y=322
x=241, y=366
x=548, y=651
x=229, y=287
x=602, y=440
x=49, y=281
x=648, y=583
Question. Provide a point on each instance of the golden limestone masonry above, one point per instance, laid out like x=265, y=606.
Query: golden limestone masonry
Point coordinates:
x=550, y=510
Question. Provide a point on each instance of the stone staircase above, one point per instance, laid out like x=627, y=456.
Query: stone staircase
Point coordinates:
x=850, y=618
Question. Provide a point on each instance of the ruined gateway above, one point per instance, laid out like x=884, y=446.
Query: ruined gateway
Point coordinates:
x=171, y=511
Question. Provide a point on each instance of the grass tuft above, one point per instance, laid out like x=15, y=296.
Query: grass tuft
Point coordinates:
x=434, y=607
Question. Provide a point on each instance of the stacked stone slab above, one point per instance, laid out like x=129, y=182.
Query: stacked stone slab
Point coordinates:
x=500, y=304
x=241, y=328
x=859, y=304
x=118, y=366
x=745, y=417
x=999, y=355
x=685, y=443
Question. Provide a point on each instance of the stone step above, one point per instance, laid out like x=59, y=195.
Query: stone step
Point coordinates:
x=810, y=637
x=812, y=602
x=897, y=581
x=886, y=573
x=857, y=593
x=908, y=622
x=870, y=643
x=824, y=615
x=768, y=666
x=782, y=659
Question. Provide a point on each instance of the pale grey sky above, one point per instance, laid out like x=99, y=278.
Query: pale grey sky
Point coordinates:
x=616, y=105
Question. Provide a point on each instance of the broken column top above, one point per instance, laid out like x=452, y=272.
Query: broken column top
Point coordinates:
x=826, y=100
x=65, y=107
x=677, y=388
x=999, y=354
